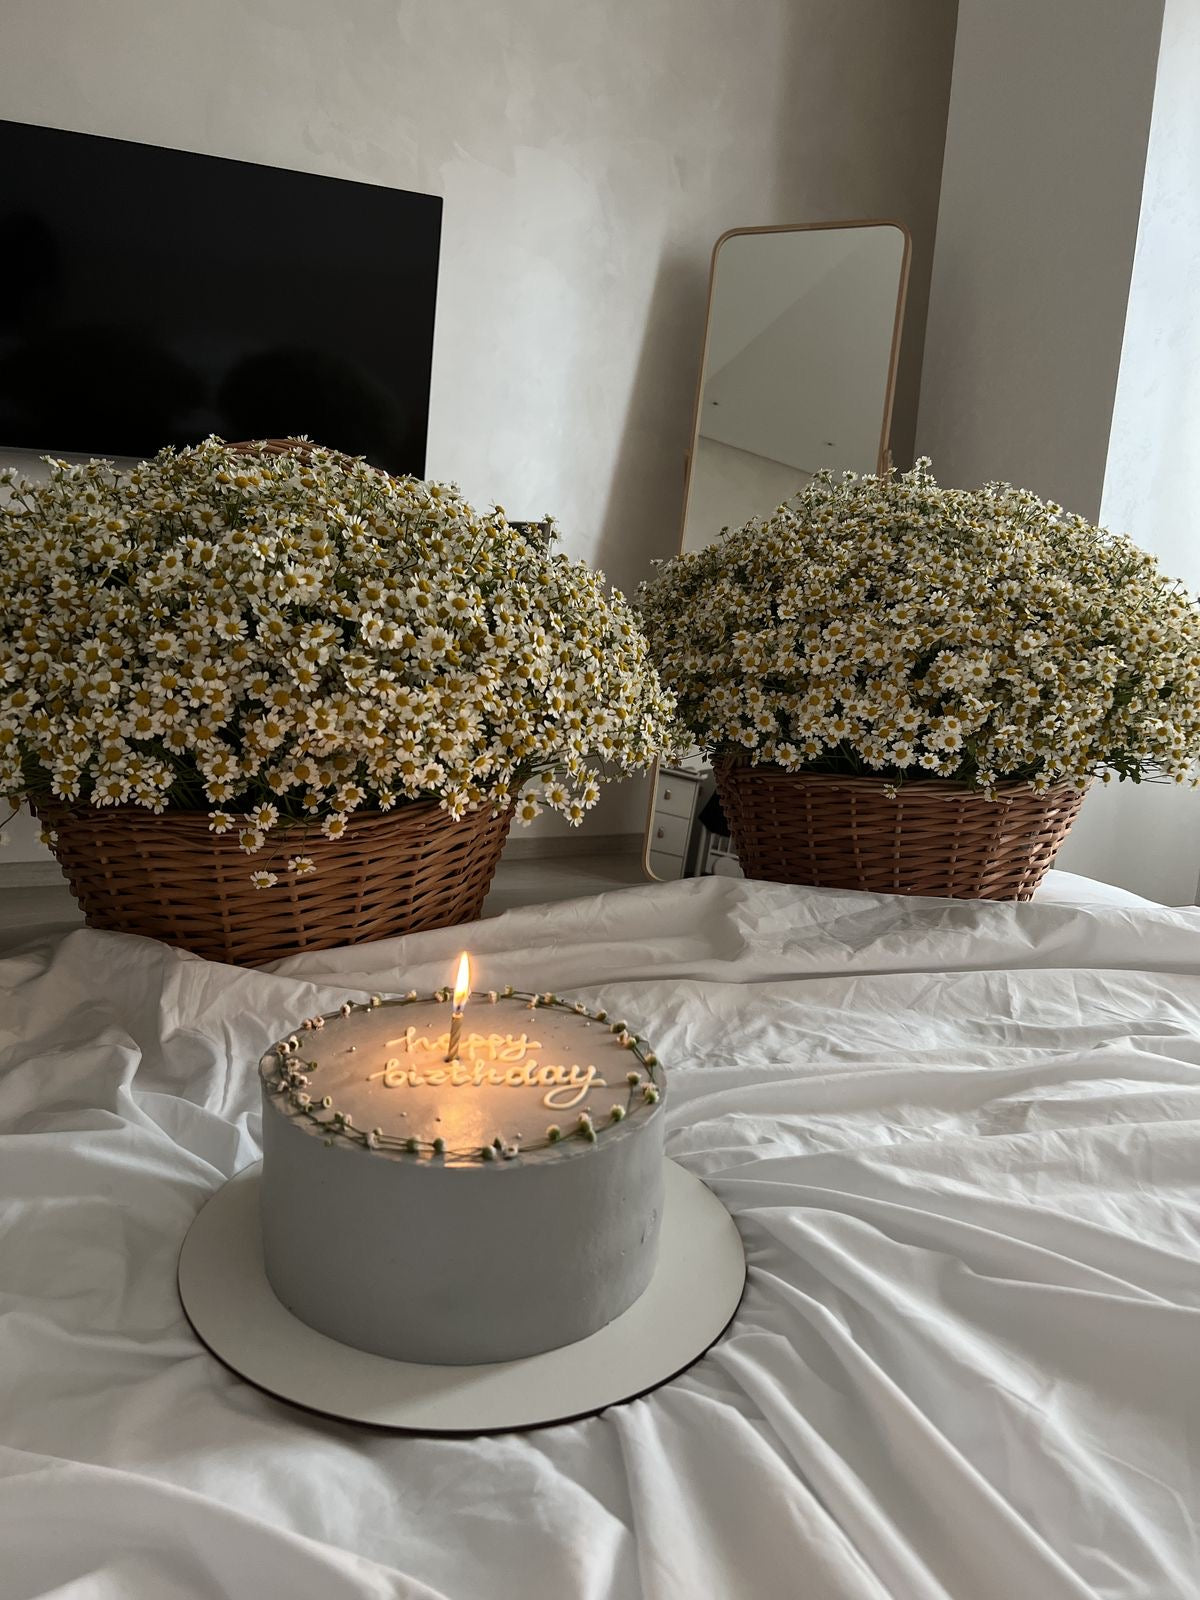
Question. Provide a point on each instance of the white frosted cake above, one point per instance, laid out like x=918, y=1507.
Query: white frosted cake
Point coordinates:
x=459, y=1206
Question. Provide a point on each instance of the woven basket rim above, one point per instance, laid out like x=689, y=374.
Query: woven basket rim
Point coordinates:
x=41, y=805
x=944, y=839
x=929, y=787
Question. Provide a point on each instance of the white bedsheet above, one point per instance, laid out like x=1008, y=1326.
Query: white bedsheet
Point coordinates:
x=962, y=1145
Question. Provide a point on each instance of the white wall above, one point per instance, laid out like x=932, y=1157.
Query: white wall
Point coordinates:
x=1149, y=839
x=1063, y=342
x=1045, y=149
x=589, y=155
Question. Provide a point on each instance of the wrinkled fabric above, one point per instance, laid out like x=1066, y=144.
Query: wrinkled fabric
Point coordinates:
x=962, y=1145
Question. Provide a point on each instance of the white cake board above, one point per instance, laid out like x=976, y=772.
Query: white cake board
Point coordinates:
x=691, y=1300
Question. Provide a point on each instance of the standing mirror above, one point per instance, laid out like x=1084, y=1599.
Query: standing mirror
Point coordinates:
x=798, y=373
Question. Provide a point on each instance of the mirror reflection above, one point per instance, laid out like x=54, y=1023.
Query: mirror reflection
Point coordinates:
x=798, y=366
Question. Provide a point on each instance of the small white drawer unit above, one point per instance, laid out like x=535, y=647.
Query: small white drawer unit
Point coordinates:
x=672, y=816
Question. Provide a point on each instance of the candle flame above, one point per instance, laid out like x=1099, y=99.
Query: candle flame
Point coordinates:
x=462, y=983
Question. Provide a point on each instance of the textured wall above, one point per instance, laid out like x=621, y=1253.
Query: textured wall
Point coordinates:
x=589, y=155
x=1045, y=150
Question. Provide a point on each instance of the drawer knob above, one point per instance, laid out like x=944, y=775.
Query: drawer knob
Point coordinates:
x=666, y=794
x=660, y=834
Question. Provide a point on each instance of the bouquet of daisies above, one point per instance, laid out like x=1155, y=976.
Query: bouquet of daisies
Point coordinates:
x=275, y=638
x=887, y=626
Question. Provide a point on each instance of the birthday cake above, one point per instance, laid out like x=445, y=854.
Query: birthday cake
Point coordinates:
x=461, y=1187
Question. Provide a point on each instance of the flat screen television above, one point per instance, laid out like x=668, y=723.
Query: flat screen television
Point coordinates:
x=152, y=296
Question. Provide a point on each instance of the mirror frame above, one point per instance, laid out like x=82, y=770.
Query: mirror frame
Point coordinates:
x=883, y=460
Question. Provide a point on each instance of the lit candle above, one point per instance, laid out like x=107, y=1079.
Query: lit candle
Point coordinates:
x=462, y=988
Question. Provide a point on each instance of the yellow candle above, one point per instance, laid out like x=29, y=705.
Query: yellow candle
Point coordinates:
x=462, y=988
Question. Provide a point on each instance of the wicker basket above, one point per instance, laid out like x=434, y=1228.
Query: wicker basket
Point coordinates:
x=931, y=838
x=287, y=447
x=168, y=877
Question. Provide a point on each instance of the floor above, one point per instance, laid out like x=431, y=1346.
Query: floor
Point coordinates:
x=519, y=882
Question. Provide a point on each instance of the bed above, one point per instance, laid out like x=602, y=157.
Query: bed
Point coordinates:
x=961, y=1142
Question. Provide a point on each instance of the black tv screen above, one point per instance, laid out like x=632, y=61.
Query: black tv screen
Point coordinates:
x=151, y=297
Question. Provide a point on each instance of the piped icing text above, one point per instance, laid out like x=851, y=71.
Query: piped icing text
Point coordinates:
x=566, y=1086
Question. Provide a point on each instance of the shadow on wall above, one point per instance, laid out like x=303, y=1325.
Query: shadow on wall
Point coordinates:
x=648, y=475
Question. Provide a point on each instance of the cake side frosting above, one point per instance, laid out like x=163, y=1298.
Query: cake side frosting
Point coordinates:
x=489, y=1248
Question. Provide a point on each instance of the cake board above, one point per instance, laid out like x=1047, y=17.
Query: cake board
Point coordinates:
x=690, y=1302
